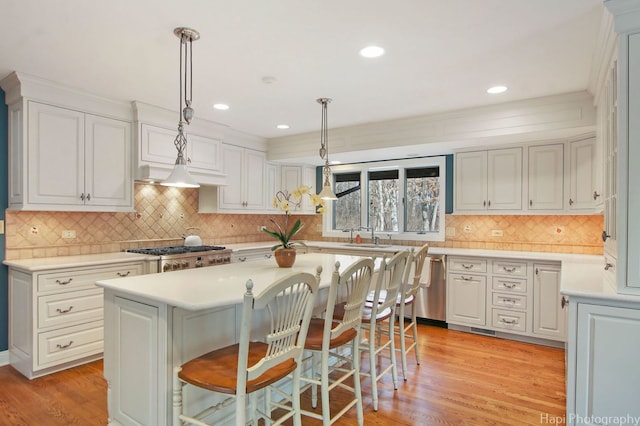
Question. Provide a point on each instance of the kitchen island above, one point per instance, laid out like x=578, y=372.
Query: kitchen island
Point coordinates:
x=156, y=322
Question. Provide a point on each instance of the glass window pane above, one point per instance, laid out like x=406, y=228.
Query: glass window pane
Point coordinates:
x=422, y=212
x=346, y=209
x=383, y=200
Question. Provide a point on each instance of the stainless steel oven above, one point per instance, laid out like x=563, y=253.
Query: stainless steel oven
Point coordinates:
x=175, y=258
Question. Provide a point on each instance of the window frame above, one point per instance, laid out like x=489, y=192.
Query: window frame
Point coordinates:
x=401, y=166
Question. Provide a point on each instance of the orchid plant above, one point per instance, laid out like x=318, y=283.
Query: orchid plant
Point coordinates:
x=288, y=201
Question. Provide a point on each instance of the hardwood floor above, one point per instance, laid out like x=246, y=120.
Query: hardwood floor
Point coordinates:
x=463, y=379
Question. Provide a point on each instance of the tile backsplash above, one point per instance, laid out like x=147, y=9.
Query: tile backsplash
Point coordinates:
x=163, y=214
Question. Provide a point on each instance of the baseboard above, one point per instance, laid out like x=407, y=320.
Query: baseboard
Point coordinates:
x=4, y=358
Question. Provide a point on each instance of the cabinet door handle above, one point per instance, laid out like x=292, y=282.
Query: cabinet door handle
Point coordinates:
x=509, y=321
x=536, y=271
x=489, y=203
x=605, y=235
x=484, y=204
x=509, y=284
x=120, y=274
x=268, y=256
x=509, y=270
x=564, y=302
x=466, y=266
x=570, y=202
x=608, y=266
x=64, y=282
x=82, y=196
x=509, y=301
x=59, y=346
x=530, y=203
x=595, y=195
x=242, y=259
x=64, y=311
x=466, y=278
x=88, y=197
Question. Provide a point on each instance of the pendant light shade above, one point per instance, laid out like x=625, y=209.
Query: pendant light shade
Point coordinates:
x=180, y=176
x=326, y=193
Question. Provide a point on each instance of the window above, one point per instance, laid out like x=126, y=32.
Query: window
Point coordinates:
x=403, y=199
x=347, y=206
x=422, y=195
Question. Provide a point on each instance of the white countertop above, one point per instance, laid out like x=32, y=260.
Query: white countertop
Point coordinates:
x=223, y=285
x=60, y=262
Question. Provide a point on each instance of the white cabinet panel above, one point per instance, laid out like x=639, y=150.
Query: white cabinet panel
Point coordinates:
x=471, y=180
x=55, y=155
x=466, y=299
x=546, y=177
x=584, y=187
x=606, y=369
x=549, y=319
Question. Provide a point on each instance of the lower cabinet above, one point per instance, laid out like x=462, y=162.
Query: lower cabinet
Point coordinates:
x=146, y=340
x=602, y=364
x=521, y=297
x=56, y=316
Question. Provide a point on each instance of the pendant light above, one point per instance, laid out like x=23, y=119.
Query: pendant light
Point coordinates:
x=326, y=193
x=180, y=176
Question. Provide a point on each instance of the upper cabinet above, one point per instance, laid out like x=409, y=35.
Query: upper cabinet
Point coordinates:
x=156, y=153
x=585, y=190
x=66, y=158
x=556, y=177
x=546, y=171
x=245, y=169
x=292, y=177
x=489, y=180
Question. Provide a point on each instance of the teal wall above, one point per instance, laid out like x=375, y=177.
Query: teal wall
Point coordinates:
x=4, y=174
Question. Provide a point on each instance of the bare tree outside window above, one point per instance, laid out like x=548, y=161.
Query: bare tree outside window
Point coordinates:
x=422, y=200
x=347, y=207
x=383, y=200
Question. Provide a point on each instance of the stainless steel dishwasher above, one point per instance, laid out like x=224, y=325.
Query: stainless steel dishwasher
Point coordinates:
x=431, y=301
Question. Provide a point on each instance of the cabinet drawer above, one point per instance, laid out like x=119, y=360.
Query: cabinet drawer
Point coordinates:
x=510, y=301
x=467, y=264
x=509, y=284
x=60, y=281
x=506, y=267
x=70, y=343
x=509, y=320
x=70, y=308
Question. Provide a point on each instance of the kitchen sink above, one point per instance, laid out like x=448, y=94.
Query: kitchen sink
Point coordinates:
x=366, y=245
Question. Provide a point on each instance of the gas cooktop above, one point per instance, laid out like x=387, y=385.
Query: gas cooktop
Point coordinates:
x=166, y=251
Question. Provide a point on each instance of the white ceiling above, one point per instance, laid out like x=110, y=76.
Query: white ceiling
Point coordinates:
x=441, y=55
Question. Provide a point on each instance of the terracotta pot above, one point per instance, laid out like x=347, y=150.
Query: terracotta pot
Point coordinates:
x=285, y=257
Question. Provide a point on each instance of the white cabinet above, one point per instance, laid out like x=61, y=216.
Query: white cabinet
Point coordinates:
x=602, y=369
x=549, y=318
x=292, y=176
x=466, y=292
x=489, y=180
x=157, y=154
x=252, y=254
x=272, y=185
x=56, y=315
x=506, y=296
x=245, y=170
x=546, y=177
x=585, y=192
x=74, y=161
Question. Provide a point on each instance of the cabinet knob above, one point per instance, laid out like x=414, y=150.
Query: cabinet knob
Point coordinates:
x=570, y=202
x=564, y=302
x=605, y=235
x=608, y=266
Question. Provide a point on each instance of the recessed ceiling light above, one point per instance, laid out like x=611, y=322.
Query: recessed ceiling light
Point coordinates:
x=372, y=51
x=222, y=107
x=282, y=126
x=496, y=89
